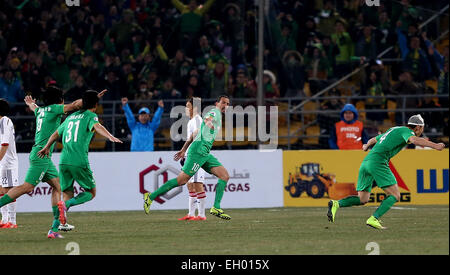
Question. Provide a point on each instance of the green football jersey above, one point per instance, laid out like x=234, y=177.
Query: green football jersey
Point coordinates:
x=390, y=143
x=76, y=132
x=204, y=140
x=48, y=119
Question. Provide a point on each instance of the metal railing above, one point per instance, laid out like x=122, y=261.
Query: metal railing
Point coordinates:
x=379, y=56
x=292, y=125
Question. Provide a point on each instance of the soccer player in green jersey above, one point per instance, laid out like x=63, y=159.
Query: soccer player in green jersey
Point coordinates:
x=76, y=132
x=48, y=118
x=375, y=168
x=199, y=157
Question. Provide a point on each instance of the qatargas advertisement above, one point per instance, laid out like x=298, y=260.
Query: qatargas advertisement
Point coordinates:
x=311, y=178
x=122, y=178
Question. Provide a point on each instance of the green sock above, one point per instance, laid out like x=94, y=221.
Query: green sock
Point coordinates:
x=80, y=199
x=56, y=223
x=5, y=199
x=385, y=205
x=166, y=187
x=349, y=201
x=220, y=188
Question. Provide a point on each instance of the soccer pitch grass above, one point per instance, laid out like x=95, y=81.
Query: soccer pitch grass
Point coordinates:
x=271, y=231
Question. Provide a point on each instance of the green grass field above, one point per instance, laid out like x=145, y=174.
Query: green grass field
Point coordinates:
x=411, y=230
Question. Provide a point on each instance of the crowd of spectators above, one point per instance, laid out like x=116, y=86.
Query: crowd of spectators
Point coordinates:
x=163, y=50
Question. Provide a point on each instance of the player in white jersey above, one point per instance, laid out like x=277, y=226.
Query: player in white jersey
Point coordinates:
x=9, y=165
x=197, y=194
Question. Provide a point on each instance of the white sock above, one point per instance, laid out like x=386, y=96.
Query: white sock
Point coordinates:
x=201, y=197
x=12, y=212
x=192, y=203
x=4, y=210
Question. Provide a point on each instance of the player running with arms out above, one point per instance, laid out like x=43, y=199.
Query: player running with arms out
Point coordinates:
x=199, y=157
x=76, y=132
x=9, y=165
x=48, y=118
x=375, y=168
x=197, y=195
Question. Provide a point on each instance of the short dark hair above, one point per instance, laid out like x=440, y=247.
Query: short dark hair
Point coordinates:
x=4, y=107
x=53, y=95
x=220, y=97
x=90, y=99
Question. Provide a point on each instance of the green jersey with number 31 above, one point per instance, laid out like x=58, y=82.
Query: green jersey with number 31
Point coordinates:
x=77, y=132
x=390, y=143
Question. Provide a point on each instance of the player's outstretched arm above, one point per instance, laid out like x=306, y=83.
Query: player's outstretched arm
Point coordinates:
x=426, y=143
x=102, y=131
x=31, y=103
x=371, y=142
x=74, y=106
x=46, y=150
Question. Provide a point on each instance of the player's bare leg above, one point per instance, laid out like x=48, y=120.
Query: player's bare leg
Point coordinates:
x=221, y=173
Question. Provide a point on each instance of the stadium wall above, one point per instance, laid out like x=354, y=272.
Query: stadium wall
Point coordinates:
x=258, y=179
x=122, y=177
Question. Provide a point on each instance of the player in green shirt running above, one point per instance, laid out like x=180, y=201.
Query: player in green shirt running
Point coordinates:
x=199, y=157
x=48, y=118
x=77, y=132
x=375, y=168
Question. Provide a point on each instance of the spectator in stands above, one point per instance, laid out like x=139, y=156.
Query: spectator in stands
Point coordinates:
x=202, y=54
x=143, y=130
x=374, y=89
x=191, y=21
x=316, y=64
x=433, y=119
x=349, y=133
x=328, y=17
x=241, y=87
x=10, y=87
x=144, y=94
x=414, y=58
x=194, y=88
x=271, y=89
x=346, y=48
x=438, y=59
x=331, y=51
x=293, y=75
x=443, y=88
x=367, y=45
x=77, y=91
x=285, y=30
x=326, y=120
x=217, y=79
x=406, y=86
x=58, y=69
x=168, y=91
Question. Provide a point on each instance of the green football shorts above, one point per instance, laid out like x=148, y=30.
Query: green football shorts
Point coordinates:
x=372, y=170
x=40, y=170
x=68, y=174
x=195, y=161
